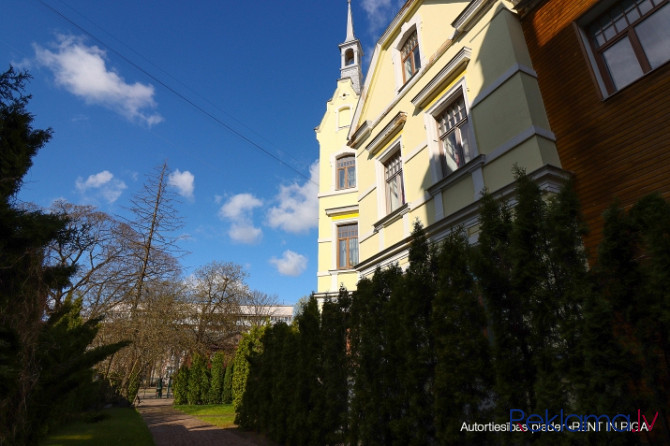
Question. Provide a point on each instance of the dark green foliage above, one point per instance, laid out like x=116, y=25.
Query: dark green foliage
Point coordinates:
x=227, y=394
x=217, y=372
x=334, y=369
x=250, y=343
x=463, y=374
x=469, y=332
x=45, y=359
x=180, y=385
x=373, y=359
x=198, y=381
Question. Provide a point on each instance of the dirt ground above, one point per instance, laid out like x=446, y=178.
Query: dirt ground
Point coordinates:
x=170, y=427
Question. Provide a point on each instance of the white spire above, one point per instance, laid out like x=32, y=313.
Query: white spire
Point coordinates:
x=350, y=24
x=351, y=54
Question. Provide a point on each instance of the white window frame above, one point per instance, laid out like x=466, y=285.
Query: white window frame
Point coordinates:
x=394, y=148
x=406, y=30
x=346, y=151
x=336, y=237
x=431, y=117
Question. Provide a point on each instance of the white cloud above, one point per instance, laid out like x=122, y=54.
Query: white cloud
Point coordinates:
x=82, y=70
x=102, y=184
x=239, y=206
x=183, y=182
x=290, y=264
x=298, y=206
x=245, y=232
x=380, y=12
x=239, y=210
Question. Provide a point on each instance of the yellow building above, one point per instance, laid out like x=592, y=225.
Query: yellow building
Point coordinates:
x=449, y=106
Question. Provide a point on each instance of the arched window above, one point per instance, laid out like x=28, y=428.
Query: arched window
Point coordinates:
x=346, y=172
x=349, y=58
x=410, y=56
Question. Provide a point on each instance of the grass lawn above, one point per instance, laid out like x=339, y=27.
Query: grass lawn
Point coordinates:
x=221, y=415
x=116, y=426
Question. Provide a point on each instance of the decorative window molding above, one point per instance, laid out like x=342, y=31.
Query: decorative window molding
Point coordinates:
x=451, y=138
x=466, y=17
x=389, y=131
x=447, y=74
x=407, y=32
x=342, y=210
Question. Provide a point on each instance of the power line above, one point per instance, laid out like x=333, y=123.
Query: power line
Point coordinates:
x=181, y=96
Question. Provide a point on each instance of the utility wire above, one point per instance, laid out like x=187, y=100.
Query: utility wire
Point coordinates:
x=181, y=96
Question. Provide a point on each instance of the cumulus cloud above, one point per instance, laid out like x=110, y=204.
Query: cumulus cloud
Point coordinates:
x=183, y=182
x=290, y=264
x=102, y=184
x=298, y=206
x=82, y=70
x=239, y=211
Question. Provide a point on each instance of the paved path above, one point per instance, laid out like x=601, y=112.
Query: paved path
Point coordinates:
x=169, y=427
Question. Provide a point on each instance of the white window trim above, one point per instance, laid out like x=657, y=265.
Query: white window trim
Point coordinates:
x=333, y=164
x=334, y=226
x=430, y=120
x=407, y=28
x=394, y=147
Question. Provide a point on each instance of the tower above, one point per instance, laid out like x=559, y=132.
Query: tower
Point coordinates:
x=338, y=177
x=352, y=53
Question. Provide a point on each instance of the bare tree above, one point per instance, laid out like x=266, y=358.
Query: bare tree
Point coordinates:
x=97, y=245
x=258, y=307
x=217, y=289
x=155, y=222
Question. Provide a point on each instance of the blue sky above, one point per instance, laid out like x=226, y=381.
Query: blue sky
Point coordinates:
x=220, y=90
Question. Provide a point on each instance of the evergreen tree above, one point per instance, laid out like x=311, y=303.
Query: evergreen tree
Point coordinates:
x=31, y=337
x=249, y=343
x=227, y=394
x=198, y=385
x=180, y=385
x=217, y=379
x=463, y=375
x=335, y=369
x=411, y=344
x=373, y=364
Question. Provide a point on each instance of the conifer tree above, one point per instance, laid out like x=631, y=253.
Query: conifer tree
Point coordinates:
x=180, y=385
x=217, y=377
x=31, y=337
x=227, y=394
x=410, y=336
x=463, y=375
x=198, y=384
x=335, y=370
x=373, y=401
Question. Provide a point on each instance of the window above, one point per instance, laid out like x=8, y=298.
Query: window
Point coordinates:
x=347, y=246
x=411, y=59
x=346, y=172
x=630, y=39
x=395, y=195
x=453, y=131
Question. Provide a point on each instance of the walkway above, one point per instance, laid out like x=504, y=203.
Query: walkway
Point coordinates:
x=169, y=427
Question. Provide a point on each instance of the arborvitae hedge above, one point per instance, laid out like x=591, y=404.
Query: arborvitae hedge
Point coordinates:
x=468, y=333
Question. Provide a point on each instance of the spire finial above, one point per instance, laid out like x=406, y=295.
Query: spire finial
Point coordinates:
x=350, y=24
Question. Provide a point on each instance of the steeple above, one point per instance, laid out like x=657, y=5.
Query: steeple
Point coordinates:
x=350, y=24
x=351, y=54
